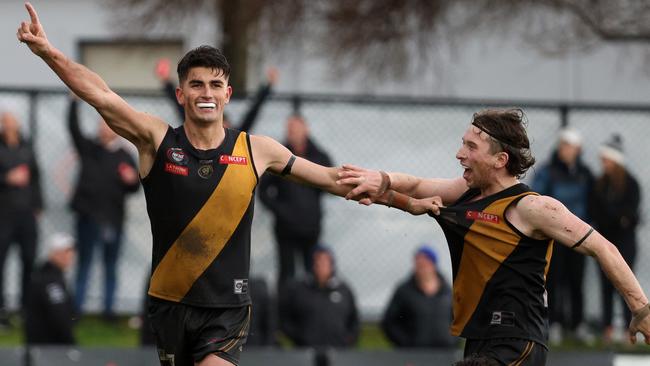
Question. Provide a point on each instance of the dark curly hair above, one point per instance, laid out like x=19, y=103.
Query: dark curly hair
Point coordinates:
x=203, y=56
x=507, y=131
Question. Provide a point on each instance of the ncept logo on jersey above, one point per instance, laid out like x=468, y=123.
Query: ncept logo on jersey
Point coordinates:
x=482, y=216
x=176, y=169
x=229, y=159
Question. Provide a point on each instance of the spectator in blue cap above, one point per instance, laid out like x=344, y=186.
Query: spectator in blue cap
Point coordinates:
x=419, y=313
x=429, y=253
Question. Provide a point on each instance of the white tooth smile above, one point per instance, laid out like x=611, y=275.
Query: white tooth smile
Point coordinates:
x=206, y=105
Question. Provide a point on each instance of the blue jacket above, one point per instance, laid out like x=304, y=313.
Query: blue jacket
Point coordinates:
x=571, y=186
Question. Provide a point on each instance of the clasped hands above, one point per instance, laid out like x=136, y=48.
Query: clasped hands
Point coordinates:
x=373, y=186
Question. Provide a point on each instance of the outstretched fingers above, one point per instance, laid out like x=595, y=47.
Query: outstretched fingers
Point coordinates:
x=350, y=177
x=32, y=13
x=344, y=173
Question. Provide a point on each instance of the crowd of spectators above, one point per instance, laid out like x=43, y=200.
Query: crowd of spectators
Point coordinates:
x=311, y=304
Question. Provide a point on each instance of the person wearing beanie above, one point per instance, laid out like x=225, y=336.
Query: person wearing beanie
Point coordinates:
x=419, y=312
x=612, y=150
x=566, y=178
x=615, y=201
x=49, y=315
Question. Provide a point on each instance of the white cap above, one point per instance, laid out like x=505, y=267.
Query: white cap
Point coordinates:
x=571, y=137
x=60, y=241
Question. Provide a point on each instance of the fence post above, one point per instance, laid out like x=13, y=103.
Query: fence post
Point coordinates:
x=564, y=116
x=33, y=106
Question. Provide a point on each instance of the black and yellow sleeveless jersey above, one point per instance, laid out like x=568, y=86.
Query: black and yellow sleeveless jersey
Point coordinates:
x=200, y=204
x=499, y=273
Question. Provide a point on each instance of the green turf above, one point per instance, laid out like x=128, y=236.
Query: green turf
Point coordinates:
x=372, y=338
x=92, y=331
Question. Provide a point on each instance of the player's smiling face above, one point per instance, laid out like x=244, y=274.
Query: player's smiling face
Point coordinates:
x=475, y=157
x=204, y=94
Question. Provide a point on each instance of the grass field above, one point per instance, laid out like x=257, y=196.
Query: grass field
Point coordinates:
x=92, y=331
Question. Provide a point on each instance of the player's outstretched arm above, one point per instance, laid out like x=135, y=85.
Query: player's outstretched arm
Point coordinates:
x=139, y=128
x=272, y=156
x=374, y=184
x=543, y=215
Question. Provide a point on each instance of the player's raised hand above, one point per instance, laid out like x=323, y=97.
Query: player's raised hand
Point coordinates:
x=162, y=69
x=32, y=33
x=272, y=75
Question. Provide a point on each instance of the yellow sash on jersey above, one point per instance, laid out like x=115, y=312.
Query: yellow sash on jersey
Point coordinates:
x=206, y=235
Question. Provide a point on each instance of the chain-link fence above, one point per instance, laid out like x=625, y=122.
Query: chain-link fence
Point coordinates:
x=373, y=245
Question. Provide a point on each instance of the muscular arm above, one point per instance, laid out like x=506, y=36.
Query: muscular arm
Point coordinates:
x=144, y=131
x=543, y=216
x=447, y=189
x=272, y=156
x=137, y=127
x=369, y=182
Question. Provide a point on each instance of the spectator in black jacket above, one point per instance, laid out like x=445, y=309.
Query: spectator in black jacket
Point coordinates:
x=163, y=74
x=615, y=210
x=107, y=174
x=49, y=317
x=419, y=313
x=296, y=208
x=319, y=311
x=20, y=203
